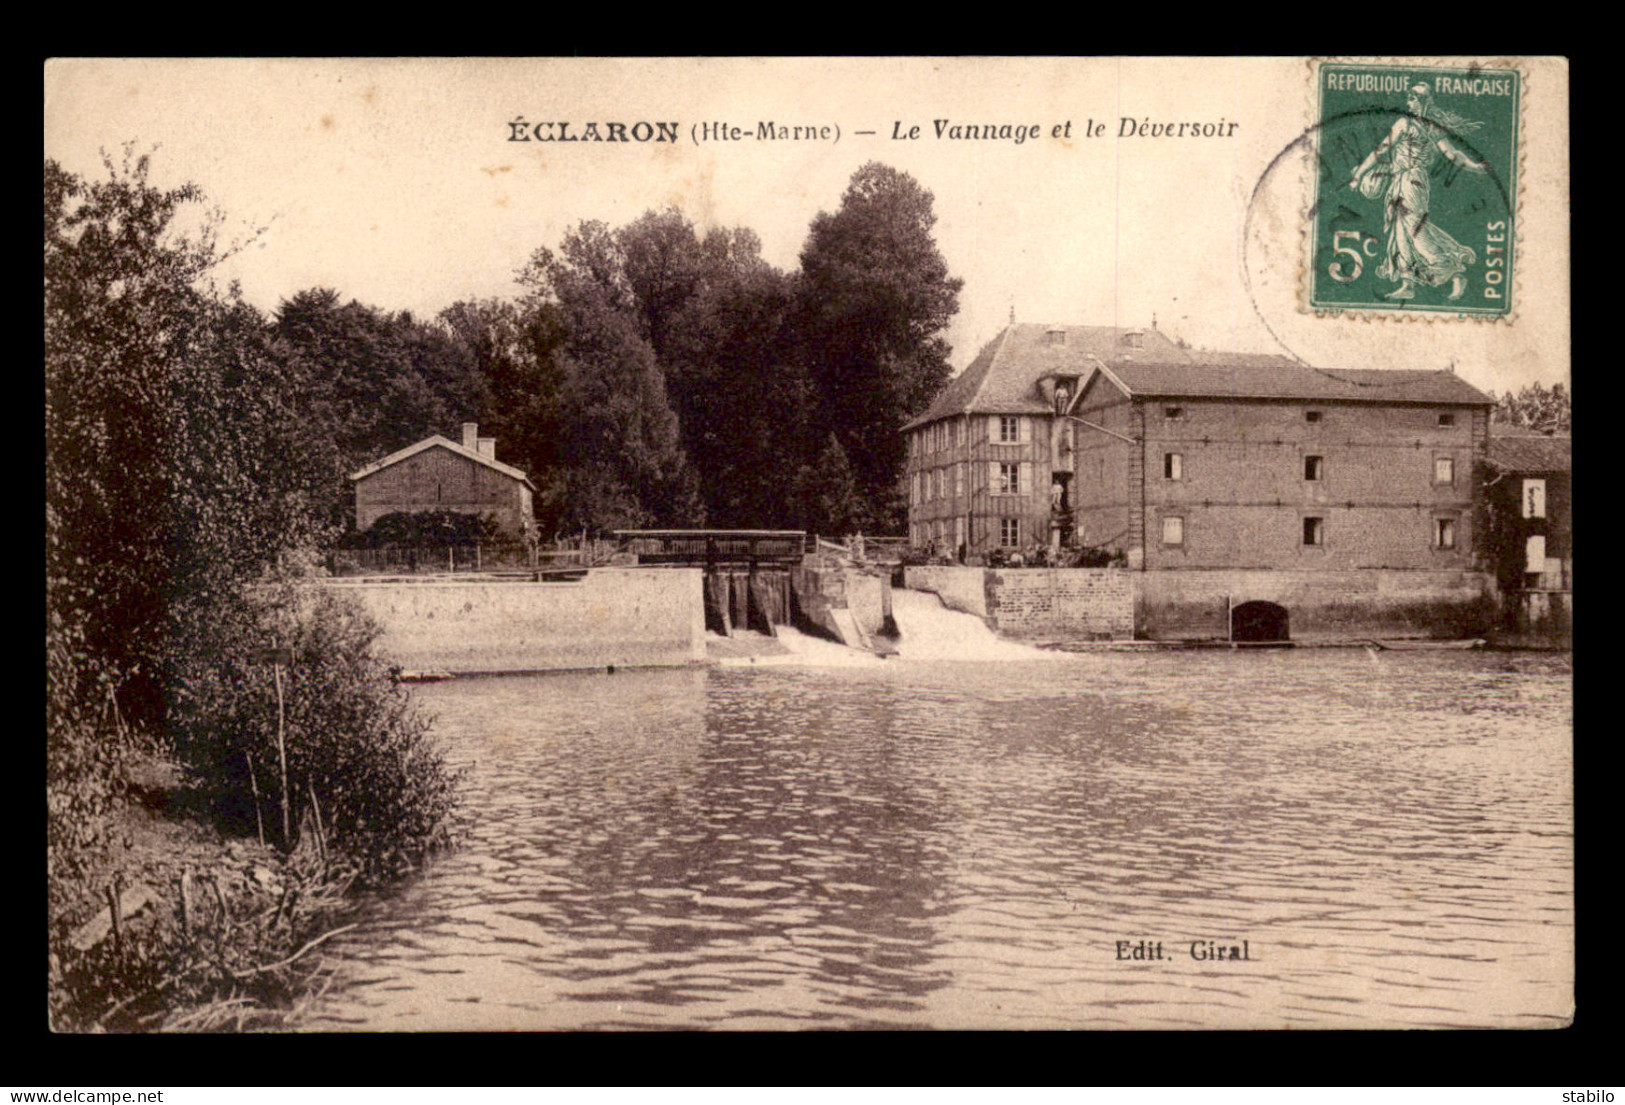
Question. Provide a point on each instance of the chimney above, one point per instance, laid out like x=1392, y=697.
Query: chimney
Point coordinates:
x=471, y=435
x=488, y=447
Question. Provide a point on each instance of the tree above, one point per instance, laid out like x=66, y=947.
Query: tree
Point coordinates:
x=382, y=380
x=188, y=487
x=716, y=316
x=828, y=494
x=1535, y=407
x=744, y=399
x=122, y=304
x=626, y=467
x=516, y=349
x=875, y=297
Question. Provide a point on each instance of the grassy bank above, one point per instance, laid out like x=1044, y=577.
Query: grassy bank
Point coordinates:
x=199, y=870
x=214, y=933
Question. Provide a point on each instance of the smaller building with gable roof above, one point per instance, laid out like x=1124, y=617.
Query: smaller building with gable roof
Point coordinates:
x=439, y=474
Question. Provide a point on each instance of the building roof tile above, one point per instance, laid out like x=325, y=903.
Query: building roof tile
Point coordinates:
x=1003, y=379
x=1526, y=452
x=447, y=443
x=1004, y=376
x=1262, y=376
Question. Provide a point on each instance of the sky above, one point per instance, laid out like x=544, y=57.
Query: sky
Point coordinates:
x=398, y=182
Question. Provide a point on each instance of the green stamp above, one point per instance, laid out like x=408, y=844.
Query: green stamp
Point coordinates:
x=1415, y=189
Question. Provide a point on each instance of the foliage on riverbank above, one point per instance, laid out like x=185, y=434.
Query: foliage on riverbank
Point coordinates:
x=186, y=498
x=222, y=905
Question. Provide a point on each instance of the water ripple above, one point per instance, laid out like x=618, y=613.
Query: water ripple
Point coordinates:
x=913, y=845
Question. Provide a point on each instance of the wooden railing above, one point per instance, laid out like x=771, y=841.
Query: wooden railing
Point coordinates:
x=713, y=547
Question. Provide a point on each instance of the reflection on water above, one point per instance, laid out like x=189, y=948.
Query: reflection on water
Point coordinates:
x=918, y=845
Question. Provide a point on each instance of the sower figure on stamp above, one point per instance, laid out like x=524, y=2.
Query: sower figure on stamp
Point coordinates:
x=1399, y=171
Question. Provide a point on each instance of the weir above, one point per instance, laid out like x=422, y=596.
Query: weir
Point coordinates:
x=747, y=572
x=766, y=579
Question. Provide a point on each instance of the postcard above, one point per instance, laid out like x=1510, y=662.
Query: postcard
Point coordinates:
x=911, y=543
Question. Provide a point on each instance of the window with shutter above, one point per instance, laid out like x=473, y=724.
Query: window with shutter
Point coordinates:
x=1534, y=498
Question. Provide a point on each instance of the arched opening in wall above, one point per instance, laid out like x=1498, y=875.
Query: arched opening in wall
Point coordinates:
x=1259, y=621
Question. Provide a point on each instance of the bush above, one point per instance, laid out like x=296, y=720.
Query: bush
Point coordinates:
x=432, y=529
x=87, y=752
x=361, y=767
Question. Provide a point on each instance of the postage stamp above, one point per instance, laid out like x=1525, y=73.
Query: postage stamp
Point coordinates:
x=1415, y=191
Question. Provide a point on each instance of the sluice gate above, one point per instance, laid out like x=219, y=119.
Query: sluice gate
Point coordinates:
x=747, y=572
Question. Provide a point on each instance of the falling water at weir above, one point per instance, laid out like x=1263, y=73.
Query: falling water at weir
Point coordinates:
x=927, y=630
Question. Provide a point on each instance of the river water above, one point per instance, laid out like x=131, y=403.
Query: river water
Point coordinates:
x=930, y=843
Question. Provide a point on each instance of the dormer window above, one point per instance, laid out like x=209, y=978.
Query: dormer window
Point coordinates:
x=1134, y=339
x=1056, y=336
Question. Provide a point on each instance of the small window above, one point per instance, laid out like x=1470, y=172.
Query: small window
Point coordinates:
x=1173, y=531
x=1534, y=553
x=1311, y=416
x=1312, y=467
x=1444, y=470
x=1447, y=420
x=1056, y=337
x=1173, y=414
x=1134, y=340
x=1009, y=429
x=1010, y=479
x=1444, y=533
x=1009, y=532
x=1314, y=531
x=1173, y=466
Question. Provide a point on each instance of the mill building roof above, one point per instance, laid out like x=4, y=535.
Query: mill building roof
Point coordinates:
x=1263, y=376
x=1003, y=378
x=1143, y=362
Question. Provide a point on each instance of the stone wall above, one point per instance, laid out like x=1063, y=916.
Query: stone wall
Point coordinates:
x=620, y=617
x=1069, y=603
x=1109, y=603
x=1536, y=619
x=865, y=594
x=1057, y=603
x=1322, y=606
